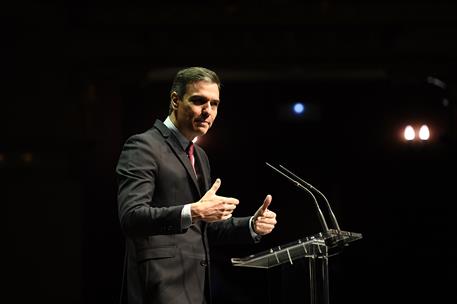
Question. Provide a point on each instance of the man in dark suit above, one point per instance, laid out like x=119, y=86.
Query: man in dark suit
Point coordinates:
x=168, y=209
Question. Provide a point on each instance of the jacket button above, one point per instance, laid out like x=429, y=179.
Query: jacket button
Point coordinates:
x=203, y=263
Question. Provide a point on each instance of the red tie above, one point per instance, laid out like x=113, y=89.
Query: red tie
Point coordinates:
x=190, y=153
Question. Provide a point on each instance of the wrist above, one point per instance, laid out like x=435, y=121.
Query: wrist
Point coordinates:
x=195, y=212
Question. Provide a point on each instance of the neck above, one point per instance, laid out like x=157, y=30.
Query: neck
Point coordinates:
x=173, y=119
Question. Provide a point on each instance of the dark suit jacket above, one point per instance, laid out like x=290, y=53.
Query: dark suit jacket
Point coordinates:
x=165, y=263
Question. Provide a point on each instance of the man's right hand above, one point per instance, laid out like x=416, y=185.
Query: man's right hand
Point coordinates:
x=212, y=207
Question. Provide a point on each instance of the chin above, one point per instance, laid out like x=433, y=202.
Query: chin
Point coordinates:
x=201, y=132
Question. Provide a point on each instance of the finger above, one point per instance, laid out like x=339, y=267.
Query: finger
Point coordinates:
x=226, y=217
x=264, y=220
x=231, y=201
x=229, y=207
x=269, y=214
x=215, y=186
x=226, y=200
x=264, y=227
x=227, y=212
x=265, y=204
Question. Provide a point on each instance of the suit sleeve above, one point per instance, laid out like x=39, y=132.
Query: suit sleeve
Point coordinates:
x=137, y=171
x=234, y=230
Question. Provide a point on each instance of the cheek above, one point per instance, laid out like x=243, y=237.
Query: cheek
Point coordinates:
x=194, y=113
x=190, y=112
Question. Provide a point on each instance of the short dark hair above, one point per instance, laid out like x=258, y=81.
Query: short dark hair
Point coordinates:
x=191, y=75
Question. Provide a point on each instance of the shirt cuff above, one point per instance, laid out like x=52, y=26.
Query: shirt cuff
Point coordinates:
x=254, y=235
x=186, y=217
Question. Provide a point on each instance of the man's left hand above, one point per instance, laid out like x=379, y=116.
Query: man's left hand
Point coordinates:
x=264, y=220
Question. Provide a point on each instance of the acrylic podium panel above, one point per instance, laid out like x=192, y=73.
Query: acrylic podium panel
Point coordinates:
x=283, y=254
x=316, y=248
x=319, y=245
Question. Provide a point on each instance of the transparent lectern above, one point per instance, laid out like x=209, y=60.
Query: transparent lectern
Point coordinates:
x=316, y=248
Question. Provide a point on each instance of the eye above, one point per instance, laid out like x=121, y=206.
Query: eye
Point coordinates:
x=198, y=100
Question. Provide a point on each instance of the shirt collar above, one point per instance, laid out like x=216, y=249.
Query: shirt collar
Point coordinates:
x=183, y=141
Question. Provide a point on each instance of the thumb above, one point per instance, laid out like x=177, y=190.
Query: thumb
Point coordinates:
x=264, y=206
x=266, y=203
x=215, y=186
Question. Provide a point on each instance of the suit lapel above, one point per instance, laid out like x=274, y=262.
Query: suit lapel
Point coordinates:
x=204, y=169
x=173, y=143
x=182, y=156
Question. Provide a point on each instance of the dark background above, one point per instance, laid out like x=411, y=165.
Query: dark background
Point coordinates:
x=79, y=77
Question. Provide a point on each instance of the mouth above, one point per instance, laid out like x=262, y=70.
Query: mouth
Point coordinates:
x=202, y=122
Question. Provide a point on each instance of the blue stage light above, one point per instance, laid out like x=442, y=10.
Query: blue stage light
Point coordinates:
x=299, y=108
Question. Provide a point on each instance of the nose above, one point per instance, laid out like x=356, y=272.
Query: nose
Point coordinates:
x=206, y=107
x=207, y=104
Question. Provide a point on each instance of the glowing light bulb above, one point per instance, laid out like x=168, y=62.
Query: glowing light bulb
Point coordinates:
x=409, y=133
x=424, y=132
x=299, y=108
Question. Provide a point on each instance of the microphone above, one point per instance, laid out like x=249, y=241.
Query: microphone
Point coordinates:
x=332, y=215
x=299, y=185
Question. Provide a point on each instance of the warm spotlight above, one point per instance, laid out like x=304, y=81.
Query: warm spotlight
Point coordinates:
x=409, y=133
x=424, y=132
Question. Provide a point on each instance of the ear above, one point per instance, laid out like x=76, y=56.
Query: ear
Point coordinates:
x=174, y=99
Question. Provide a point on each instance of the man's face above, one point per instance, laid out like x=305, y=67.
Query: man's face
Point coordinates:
x=197, y=110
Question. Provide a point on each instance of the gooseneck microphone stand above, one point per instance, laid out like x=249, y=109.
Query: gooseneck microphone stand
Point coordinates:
x=317, y=248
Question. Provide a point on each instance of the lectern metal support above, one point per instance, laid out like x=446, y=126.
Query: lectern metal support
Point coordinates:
x=325, y=280
x=312, y=280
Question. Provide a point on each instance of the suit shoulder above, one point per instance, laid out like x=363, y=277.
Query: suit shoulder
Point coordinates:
x=140, y=148
x=148, y=136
